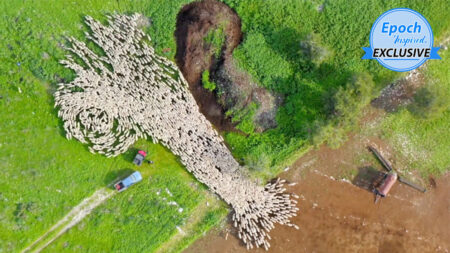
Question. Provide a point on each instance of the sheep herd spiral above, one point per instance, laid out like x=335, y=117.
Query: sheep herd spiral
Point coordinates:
x=126, y=91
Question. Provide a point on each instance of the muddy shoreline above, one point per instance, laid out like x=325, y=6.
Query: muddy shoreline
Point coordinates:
x=337, y=216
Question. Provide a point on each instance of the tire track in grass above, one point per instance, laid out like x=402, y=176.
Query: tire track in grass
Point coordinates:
x=77, y=214
x=188, y=229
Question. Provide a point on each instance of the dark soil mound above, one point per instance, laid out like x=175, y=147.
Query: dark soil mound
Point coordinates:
x=194, y=56
x=196, y=23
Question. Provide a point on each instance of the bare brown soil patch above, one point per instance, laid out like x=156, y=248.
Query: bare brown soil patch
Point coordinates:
x=337, y=216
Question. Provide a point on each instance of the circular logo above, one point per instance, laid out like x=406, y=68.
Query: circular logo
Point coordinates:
x=401, y=40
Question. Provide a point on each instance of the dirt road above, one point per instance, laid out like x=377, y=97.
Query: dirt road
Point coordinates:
x=76, y=215
x=338, y=216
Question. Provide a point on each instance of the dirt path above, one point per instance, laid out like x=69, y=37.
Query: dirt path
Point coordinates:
x=338, y=216
x=77, y=214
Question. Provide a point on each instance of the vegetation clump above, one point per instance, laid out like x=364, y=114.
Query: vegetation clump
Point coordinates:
x=430, y=102
x=216, y=38
x=207, y=84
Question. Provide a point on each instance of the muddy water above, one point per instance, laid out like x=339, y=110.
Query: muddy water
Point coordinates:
x=337, y=216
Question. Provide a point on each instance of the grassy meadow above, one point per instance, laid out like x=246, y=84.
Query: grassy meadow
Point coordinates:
x=43, y=175
x=420, y=131
x=291, y=48
x=145, y=218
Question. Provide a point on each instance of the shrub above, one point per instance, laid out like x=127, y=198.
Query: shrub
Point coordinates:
x=344, y=109
x=349, y=100
x=428, y=104
x=207, y=84
x=244, y=117
x=258, y=161
x=265, y=65
x=216, y=38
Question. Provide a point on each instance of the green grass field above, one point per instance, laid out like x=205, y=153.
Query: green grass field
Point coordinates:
x=43, y=175
x=141, y=220
x=425, y=142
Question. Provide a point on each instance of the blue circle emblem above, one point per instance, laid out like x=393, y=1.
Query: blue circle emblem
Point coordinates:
x=401, y=39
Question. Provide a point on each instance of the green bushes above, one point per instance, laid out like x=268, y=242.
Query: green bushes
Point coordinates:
x=351, y=98
x=256, y=57
x=244, y=118
x=308, y=58
x=216, y=38
x=432, y=100
x=207, y=84
x=429, y=103
x=343, y=109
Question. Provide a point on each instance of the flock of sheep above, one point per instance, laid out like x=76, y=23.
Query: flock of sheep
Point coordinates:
x=129, y=92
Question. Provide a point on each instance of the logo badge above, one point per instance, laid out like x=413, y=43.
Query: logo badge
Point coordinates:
x=401, y=40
